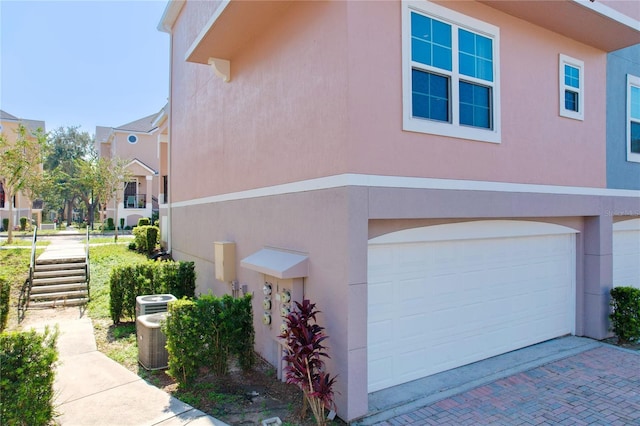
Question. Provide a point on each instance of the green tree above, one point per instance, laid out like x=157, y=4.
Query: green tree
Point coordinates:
x=19, y=164
x=111, y=175
x=66, y=147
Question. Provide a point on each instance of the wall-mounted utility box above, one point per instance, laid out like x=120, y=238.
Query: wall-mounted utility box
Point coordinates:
x=224, y=255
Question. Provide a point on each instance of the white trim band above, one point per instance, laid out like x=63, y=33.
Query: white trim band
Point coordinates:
x=349, y=179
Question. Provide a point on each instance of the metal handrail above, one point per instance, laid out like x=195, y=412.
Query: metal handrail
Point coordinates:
x=25, y=291
x=86, y=266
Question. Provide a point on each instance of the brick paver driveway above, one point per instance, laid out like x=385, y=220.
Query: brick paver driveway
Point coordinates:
x=598, y=387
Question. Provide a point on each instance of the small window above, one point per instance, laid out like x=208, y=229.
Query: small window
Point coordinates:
x=571, y=80
x=633, y=118
x=132, y=139
x=450, y=77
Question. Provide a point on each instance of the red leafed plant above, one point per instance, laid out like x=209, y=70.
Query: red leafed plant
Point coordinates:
x=304, y=354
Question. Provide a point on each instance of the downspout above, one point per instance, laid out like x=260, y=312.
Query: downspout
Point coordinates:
x=169, y=147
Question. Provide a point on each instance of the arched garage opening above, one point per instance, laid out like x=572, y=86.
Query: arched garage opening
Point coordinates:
x=444, y=296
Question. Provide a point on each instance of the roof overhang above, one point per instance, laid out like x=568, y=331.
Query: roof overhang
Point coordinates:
x=231, y=26
x=589, y=22
x=170, y=15
x=136, y=162
x=278, y=263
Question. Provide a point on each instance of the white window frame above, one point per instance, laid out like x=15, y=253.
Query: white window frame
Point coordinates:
x=453, y=128
x=634, y=81
x=576, y=63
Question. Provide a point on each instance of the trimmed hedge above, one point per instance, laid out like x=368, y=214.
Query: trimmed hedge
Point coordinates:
x=625, y=318
x=146, y=238
x=206, y=332
x=128, y=282
x=26, y=377
x=5, y=292
x=5, y=224
x=144, y=221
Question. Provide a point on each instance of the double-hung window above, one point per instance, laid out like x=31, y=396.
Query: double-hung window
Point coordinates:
x=633, y=118
x=450, y=73
x=571, y=78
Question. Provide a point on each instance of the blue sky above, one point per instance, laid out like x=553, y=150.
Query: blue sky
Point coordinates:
x=83, y=63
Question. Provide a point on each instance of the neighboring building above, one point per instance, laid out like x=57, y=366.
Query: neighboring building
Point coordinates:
x=138, y=143
x=23, y=206
x=435, y=176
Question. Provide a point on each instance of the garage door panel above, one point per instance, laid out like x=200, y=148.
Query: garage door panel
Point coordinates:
x=626, y=255
x=471, y=300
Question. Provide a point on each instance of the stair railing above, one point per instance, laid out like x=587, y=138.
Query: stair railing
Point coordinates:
x=23, y=300
x=86, y=264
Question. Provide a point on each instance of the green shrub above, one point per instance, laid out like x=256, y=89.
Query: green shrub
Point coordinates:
x=23, y=223
x=625, y=318
x=128, y=282
x=5, y=291
x=110, y=224
x=5, y=224
x=122, y=223
x=26, y=377
x=146, y=238
x=206, y=332
x=144, y=221
x=132, y=245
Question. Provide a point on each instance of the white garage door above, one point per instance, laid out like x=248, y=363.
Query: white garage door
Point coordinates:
x=626, y=253
x=448, y=295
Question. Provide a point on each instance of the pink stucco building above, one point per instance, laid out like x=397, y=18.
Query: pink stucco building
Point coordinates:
x=431, y=174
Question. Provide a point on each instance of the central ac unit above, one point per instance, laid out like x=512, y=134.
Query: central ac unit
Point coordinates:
x=152, y=351
x=153, y=303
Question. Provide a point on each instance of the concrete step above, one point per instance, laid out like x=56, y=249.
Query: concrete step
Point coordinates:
x=70, y=259
x=58, y=266
x=59, y=273
x=58, y=303
x=47, y=289
x=63, y=295
x=58, y=280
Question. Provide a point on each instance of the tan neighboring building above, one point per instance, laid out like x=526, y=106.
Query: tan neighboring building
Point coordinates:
x=138, y=142
x=23, y=206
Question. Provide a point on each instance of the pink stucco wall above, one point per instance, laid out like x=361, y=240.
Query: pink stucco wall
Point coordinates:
x=538, y=146
x=319, y=93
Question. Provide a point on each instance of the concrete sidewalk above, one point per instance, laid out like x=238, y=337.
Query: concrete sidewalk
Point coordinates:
x=92, y=389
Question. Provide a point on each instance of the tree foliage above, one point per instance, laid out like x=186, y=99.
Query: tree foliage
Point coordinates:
x=67, y=149
x=20, y=163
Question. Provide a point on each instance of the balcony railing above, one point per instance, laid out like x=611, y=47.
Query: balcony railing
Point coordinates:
x=135, y=201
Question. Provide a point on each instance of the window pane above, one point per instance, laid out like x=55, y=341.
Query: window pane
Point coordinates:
x=430, y=95
x=570, y=100
x=635, y=102
x=571, y=76
x=475, y=55
x=430, y=41
x=475, y=105
x=420, y=51
x=441, y=33
x=635, y=137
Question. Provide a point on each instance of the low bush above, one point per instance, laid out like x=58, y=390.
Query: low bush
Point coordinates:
x=146, y=238
x=207, y=332
x=23, y=223
x=128, y=282
x=122, y=223
x=5, y=224
x=144, y=221
x=5, y=290
x=26, y=377
x=625, y=318
x=110, y=225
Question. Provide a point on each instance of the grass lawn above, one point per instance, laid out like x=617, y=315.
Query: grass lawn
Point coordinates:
x=15, y=270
